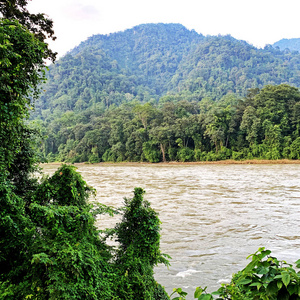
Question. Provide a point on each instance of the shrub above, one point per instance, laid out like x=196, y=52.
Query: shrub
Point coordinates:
x=185, y=154
x=265, y=277
x=151, y=152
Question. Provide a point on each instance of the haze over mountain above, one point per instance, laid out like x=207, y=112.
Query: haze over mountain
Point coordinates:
x=291, y=44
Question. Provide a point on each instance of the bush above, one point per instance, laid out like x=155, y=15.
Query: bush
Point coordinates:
x=223, y=153
x=211, y=156
x=265, y=277
x=93, y=159
x=237, y=155
x=273, y=154
x=295, y=149
x=151, y=152
x=172, y=153
x=185, y=154
x=108, y=156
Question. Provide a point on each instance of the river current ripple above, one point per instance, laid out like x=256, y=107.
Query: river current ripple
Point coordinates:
x=213, y=216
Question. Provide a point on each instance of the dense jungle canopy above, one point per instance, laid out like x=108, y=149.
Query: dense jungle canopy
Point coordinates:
x=161, y=92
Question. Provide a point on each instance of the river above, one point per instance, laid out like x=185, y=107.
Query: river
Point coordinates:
x=213, y=216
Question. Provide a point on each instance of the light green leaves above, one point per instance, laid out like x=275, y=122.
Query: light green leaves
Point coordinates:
x=201, y=295
x=286, y=278
x=265, y=277
x=181, y=294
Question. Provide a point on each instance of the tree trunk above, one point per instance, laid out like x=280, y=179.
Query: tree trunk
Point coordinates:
x=162, y=148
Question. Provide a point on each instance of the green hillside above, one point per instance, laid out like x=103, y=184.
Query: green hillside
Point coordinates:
x=149, y=61
x=223, y=64
x=112, y=69
x=160, y=92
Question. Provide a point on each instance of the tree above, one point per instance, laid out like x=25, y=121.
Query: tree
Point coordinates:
x=144, y=113
x=162, y=135
x=139, y=238
x=22, y=69
x=68, y=259
x=251, y=125
x=38, y=24
x=277, y=104
x=220, y=126
x=151, y=152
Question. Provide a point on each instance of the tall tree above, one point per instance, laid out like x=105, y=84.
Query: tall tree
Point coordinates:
x=22, y=69
x=39, y=24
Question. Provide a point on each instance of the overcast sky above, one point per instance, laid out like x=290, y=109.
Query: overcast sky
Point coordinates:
x=258, y=22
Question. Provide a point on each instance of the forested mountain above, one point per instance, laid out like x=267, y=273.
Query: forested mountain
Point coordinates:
x=220, y=65
x=112, y=69
x=149, y=61
x=161, y=92
x=291, y=44
x=151, y=51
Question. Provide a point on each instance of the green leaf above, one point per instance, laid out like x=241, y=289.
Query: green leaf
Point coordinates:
x=292, y=289
x=215, y=293
x=205, y=297
x=257, y=284
x=262, y=270
x=286, y=278
x=272, y=288
x=297, y=263
x=244, y=281
x=198, y=292
x=251, y=265
x=264, y=254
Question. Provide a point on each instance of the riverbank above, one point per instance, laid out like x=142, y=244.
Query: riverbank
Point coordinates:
x=219, y=162
x=244, y=162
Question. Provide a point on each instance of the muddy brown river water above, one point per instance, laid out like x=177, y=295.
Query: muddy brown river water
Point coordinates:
x=213, y=216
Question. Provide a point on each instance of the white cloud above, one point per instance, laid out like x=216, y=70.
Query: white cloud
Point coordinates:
x=79, y=12
x=259, y=22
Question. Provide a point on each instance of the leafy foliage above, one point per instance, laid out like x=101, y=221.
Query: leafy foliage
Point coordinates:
x=138, y=253
x=263, y=125
x=22, y=69
x=152, y=61
x=67, y=248
x=50, y=247
x=265, y=277
x=38, y=24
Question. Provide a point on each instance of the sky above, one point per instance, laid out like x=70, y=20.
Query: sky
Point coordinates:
x=259, y=22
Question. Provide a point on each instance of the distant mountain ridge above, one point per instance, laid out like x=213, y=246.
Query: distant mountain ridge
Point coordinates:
x=152, y=60
x=291, y=44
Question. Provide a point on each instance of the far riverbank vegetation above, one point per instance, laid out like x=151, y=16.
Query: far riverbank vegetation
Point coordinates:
x=264, y=125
